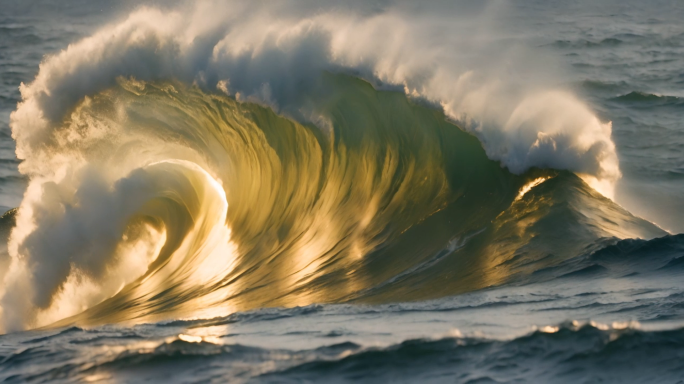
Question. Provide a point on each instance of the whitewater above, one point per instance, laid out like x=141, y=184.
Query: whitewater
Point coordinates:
x=297, y=191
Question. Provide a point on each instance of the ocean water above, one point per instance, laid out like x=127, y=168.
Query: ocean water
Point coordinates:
x=216, y=191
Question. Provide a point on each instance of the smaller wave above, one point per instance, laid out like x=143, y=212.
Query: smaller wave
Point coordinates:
x=637, y=97
x=569, y=352
x=674, y=41
x=602, y=86
x=631, y=250
x=582, y=43
x=552, y=354
x=643, y=41
x=622, y=258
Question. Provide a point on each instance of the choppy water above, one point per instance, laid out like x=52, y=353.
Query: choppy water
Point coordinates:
x=209, y=202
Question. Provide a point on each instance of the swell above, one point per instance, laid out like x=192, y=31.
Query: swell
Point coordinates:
x=569, y=352
x=539, y=356
x=170, y=202
x=650, y=100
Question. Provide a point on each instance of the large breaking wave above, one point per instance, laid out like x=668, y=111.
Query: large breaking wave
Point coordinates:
x=199, y=162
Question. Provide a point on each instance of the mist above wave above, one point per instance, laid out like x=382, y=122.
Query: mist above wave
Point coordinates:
x=455, y=57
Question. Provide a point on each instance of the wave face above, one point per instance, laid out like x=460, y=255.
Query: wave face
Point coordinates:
x=166, y=201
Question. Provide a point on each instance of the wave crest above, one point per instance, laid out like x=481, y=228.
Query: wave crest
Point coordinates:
x=216, y=47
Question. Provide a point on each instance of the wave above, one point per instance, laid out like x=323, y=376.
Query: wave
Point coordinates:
x=174, y=199
x=192, y=167
x=641, y=98
x=589, y=86
x=618, y=258
x=609, y=42
x=650, y=40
